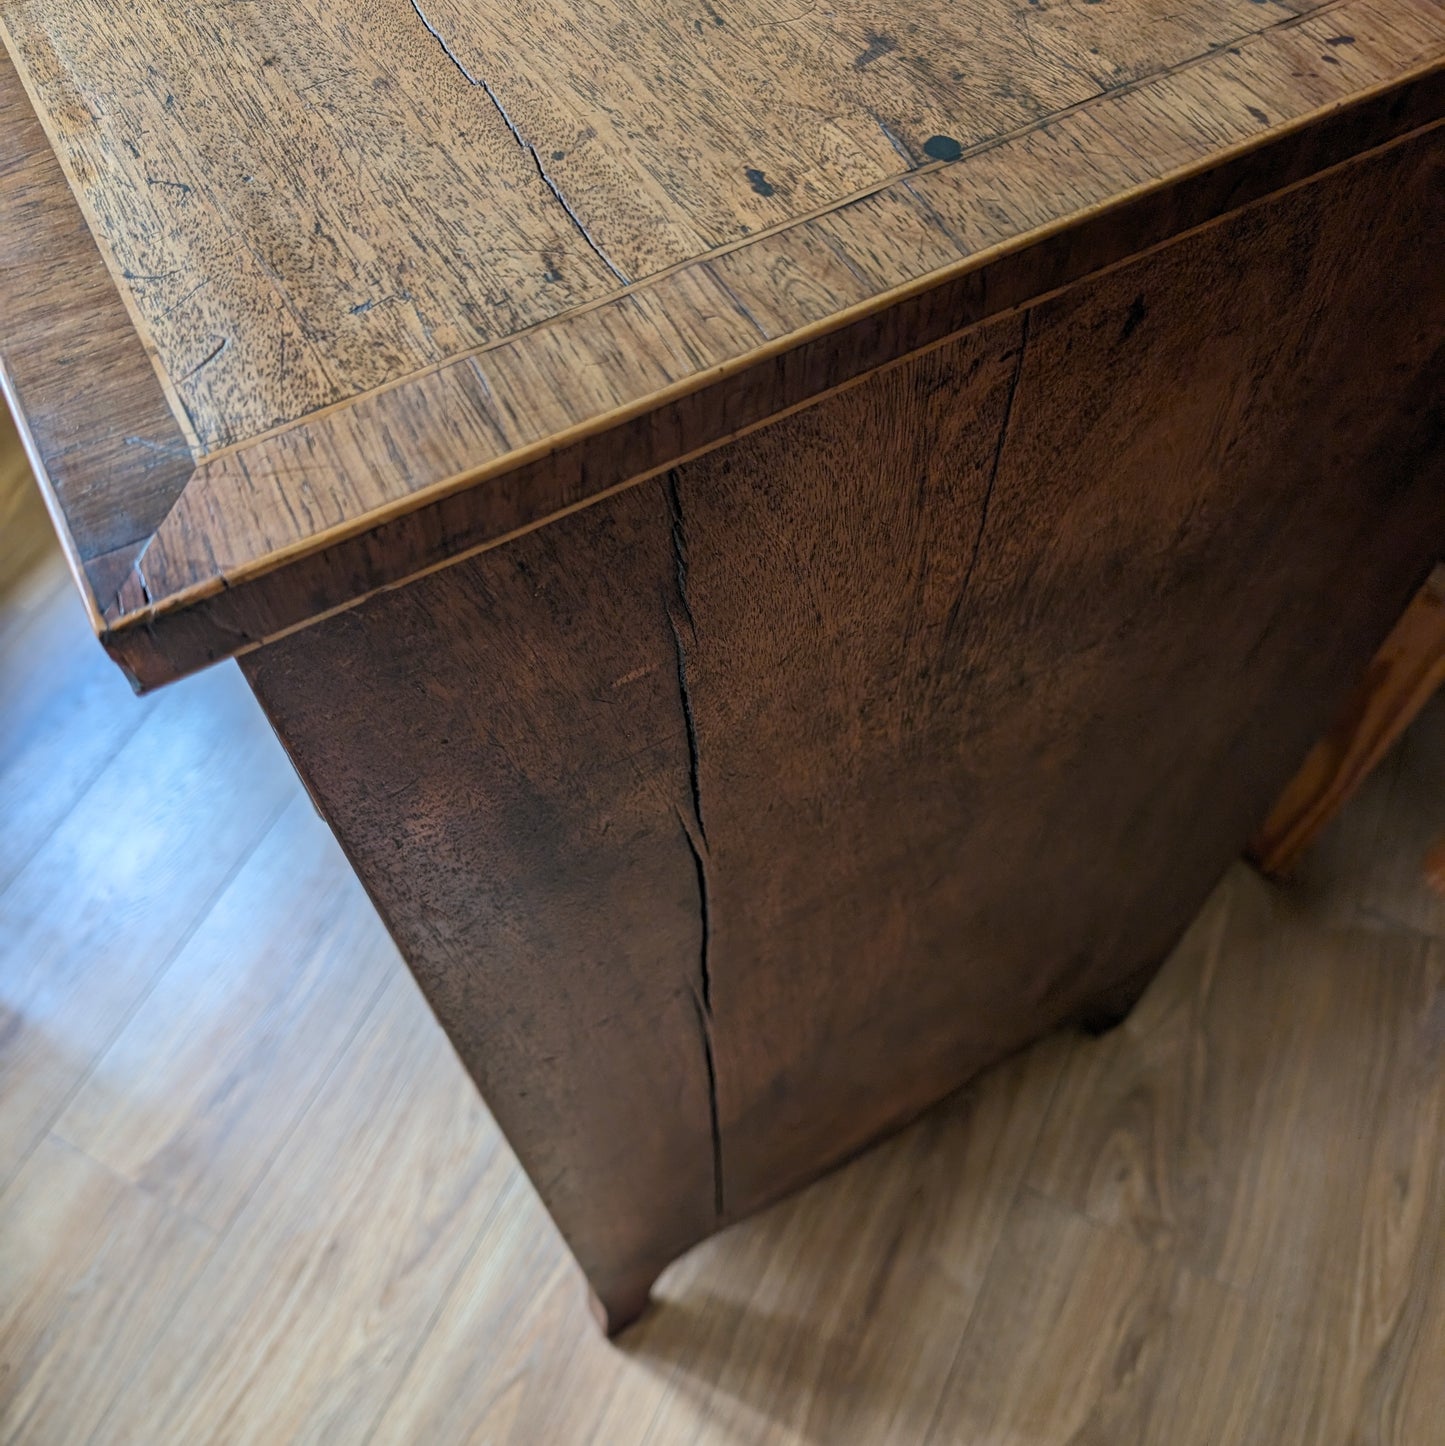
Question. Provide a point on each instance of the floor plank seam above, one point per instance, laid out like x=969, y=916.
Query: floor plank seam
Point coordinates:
x=123, y=738
x=222, y=1236
x=1045, y=1111
x=128, y=1014
x=443, y=1300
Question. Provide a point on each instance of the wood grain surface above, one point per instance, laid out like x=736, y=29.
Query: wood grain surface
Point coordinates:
x=306, y=199
x=729, y=823
x=410, y=286
x=1278, y=1086
x=112, y=471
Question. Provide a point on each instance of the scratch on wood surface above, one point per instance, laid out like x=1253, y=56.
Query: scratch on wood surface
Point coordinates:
x=704, y=1023
x=572, y=216
x=222, y=346
x=704, y=912
x=737, y=301
x=896, y=141
x=1003, y=432
x=702, y=1001
x=685, y=695
x=679, y=560
x=450, y=53
x=165, y=449
x=694, y=830
x=140, y=576
x=521, y=140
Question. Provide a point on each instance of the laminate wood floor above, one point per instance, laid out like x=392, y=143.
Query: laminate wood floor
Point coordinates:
x=247, y=1195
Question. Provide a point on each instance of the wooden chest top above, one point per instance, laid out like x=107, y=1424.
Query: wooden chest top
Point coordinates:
x=299, y=298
